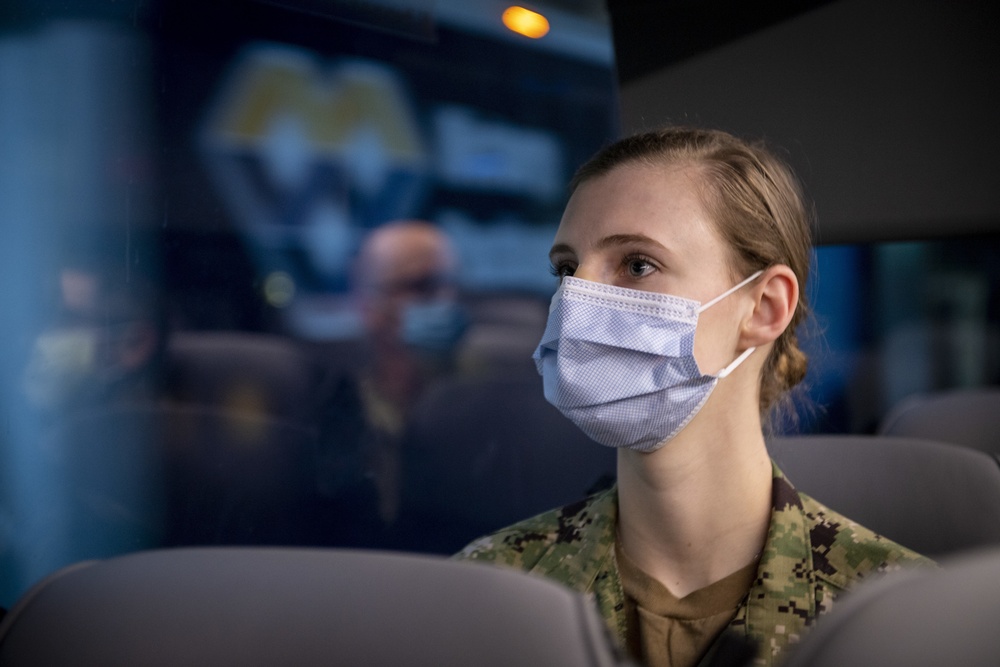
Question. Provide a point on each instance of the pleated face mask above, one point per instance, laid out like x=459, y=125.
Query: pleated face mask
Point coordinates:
x=620, y=362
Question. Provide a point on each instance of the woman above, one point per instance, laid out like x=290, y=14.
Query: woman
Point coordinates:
x=682, y=255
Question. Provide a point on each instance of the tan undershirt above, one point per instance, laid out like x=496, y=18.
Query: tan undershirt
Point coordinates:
x=664, y=631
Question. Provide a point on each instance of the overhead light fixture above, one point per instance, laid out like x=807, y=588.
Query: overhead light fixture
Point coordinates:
x=525, y=22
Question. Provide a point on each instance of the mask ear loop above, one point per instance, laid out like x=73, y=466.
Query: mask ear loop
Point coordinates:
x=709, y=304
x=739, y=360
x=747, y=352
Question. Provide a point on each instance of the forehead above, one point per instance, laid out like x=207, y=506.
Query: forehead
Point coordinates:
x=664, y=203
x=400, y=254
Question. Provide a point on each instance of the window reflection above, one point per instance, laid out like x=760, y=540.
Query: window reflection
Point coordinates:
x=223, y=323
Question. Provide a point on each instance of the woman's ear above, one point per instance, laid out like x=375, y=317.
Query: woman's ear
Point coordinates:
x=776, y=294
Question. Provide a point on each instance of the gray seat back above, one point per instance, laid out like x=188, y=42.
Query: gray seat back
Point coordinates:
x=923, y=618
x=968, y=417
x=491, y=451
x=260, y=374
x=935, y=498
x=299, y=607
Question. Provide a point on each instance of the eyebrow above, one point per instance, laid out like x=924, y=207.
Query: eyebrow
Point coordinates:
x=612, y=241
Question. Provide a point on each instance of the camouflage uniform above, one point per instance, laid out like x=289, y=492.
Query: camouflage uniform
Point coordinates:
x=811, y=555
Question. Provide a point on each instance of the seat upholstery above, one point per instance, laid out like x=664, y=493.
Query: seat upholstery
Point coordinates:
x=968, y=417
x=923, y=618
x=260, y=374
x=299, y=607
x=490, y=451
x=935, y=498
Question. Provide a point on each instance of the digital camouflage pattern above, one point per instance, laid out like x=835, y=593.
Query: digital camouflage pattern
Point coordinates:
x=811, y=556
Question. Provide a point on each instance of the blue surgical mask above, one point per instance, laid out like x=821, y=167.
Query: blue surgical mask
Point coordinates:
x=620, y=362
x=433, y=326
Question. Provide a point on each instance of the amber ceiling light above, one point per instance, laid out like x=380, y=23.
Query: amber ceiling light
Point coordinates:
x=525, y=22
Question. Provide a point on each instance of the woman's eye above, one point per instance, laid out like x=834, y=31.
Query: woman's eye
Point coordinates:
x=562, y=270
x=638, y=267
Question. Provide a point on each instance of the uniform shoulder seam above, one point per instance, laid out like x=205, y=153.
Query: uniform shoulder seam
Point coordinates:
x=845, y=552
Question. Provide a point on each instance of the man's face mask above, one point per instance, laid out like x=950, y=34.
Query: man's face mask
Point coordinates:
x=433, y=326
x=620, y=362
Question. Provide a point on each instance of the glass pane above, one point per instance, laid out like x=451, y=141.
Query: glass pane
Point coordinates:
x=897, y=319
x=214, y=334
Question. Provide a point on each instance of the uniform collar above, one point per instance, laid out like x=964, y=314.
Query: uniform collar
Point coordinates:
x=583, y=552
x=786, y=581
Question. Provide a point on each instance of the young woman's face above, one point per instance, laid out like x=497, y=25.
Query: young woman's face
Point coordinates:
x=645, y=228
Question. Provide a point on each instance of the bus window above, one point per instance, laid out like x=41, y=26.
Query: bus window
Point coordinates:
x=896, y=319
x=244, y=239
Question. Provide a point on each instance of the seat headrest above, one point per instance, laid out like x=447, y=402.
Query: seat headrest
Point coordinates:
x=914, y=619
x=933, y=497
x=242, y=606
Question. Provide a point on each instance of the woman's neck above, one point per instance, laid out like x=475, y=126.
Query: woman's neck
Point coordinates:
x=698, y=508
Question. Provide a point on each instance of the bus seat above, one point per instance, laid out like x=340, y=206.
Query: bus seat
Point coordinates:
x=490, y=451
x=260, y=374
x=236, y=478
x=303, y=607
x=935, y=498
x=922, y=618
x=969, y=417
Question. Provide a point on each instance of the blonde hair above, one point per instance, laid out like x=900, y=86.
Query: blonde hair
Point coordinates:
x=758, y=206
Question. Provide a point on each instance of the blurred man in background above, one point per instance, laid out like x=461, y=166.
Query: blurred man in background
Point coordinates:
x=404, y=284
